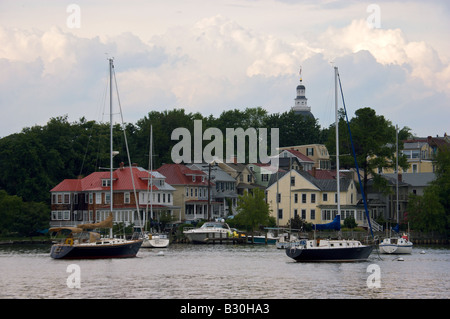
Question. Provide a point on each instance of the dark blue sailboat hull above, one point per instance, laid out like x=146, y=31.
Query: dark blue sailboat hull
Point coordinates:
x=123, y=250
x=329, y=254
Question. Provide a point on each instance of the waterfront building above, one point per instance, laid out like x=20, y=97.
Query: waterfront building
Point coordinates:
x=314, y=200
x=87, y=199
x=192, y=191
x=420, y=153
x=317, y=153
x=224, y=193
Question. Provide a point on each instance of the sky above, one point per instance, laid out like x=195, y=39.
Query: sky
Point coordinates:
x=214, y=56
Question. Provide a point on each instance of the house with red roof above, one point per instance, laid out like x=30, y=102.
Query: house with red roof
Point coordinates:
x=88, y=199
x=192, y=192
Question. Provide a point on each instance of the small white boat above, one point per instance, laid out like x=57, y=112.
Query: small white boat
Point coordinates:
x=209, y=230
x=155, y=241
x=396, y=245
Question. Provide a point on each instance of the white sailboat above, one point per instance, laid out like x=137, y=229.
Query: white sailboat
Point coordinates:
x=153, y=240
x=330, y=250
x=396, y=244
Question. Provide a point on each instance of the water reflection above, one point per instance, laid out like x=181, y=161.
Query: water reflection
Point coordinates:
x=223, y=272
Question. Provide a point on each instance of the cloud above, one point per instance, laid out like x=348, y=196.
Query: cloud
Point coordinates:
x=214, y=64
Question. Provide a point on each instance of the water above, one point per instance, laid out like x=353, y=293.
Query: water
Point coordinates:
x=221, y=272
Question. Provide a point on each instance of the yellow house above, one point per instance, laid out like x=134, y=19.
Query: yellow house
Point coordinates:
x=420, y=154
x=317, y=152
x=313, y=200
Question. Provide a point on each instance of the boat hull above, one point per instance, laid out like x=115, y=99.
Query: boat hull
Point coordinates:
x=395, y=249
x=155, y=243
x=128, y=249
x=299, y=254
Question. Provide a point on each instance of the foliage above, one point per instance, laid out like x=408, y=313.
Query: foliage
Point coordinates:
x=350, y=222
x=23, y=218
x=253, y=211
x=431, y=211
x=299, y=224
x=374, y=140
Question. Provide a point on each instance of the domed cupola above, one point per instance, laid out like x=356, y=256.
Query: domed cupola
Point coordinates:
x=301, y=102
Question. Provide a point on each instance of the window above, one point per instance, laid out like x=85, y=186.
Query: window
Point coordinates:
x=303, y=213
x=164, y=195
x=265, y=177
x=278, y=197
x=304, y=198
x=325, y=197
x=313, y=198
x=91, y=198
x=107, y=197
x=126, y=197
x=280, y=214
x=168, y=198
x=193, y=178
x=106, y=182
x=313, y=214
x=159, y=197
x=414, y=168
x=98, y=198
x=296, y=198
x=292, y=180
x=309, y=151
x=187, y=192
x=295, y=213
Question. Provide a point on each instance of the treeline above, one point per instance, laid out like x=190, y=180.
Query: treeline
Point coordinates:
x=35, y=160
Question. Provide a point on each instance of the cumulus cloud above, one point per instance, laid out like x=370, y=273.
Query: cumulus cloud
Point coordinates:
x=214, y=64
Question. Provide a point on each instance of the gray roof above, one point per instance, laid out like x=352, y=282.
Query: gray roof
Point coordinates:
x=415, y=179
x=325, y=185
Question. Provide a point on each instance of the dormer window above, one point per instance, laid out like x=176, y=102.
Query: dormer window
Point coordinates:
x=106, y=182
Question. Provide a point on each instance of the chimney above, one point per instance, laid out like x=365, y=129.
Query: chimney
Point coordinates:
x=314, y=172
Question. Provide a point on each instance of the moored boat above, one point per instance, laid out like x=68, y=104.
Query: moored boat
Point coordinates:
x=155, y=241
x=327, y=250
x=84, y=244
x=396, y=245
x=209, y=230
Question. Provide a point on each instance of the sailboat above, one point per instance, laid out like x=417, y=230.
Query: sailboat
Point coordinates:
x=330, y=250
x=82, y=243
x=396, y=244
x=153, y=240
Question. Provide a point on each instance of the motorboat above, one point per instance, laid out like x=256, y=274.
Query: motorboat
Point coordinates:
x=208, y=231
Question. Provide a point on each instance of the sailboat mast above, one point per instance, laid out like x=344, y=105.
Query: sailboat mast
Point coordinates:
x=396, y=167
x=337, y=139
x=111, y=138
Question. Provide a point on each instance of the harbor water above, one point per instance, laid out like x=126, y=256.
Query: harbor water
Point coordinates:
x=184, y=271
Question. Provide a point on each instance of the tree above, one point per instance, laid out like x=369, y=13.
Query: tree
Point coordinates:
x=253, y=210
x=431, y=212
x=374, y=141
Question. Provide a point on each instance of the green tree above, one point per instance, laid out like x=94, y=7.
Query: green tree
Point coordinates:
x=253, y=210
x=426, y=213
x=431, y=212
x=374, y=141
